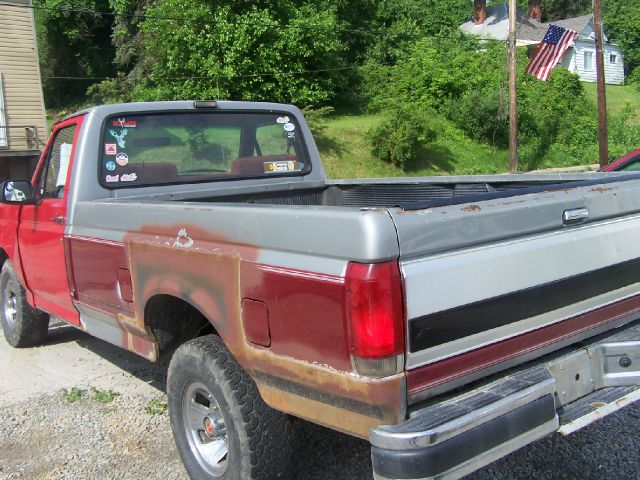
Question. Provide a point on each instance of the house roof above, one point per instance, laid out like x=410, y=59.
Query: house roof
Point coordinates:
x=528, y=30
x=576, y=24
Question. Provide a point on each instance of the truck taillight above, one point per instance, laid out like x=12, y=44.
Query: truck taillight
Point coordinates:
x=374, y=309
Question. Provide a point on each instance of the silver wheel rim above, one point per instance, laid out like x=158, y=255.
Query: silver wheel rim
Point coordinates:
x=205, y=429
x=10, y=305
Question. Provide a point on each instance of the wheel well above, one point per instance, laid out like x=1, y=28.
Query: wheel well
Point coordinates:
x=174, y=321
x=3, y=257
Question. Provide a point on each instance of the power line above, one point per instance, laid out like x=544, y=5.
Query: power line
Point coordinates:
x=223, y=77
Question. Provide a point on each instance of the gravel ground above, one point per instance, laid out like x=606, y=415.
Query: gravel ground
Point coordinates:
x=49, y=438
x=46, y=435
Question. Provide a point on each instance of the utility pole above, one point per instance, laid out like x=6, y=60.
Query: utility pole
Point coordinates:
x=603, y=141
x=513, y=108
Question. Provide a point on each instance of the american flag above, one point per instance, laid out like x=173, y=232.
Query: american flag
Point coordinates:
x=550, y=51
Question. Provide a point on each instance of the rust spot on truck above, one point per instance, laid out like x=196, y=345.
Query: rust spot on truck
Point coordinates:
x=471, y=208
x=514, y=202
x=601, y=189
x=204, y=270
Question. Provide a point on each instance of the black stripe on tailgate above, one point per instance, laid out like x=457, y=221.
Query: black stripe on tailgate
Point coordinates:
x=448, y=325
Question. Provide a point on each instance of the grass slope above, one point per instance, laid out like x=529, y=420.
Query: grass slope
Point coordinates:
x=618, y=96
x=346, y=152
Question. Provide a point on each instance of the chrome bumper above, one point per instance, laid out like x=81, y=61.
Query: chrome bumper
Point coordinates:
x=460, y=434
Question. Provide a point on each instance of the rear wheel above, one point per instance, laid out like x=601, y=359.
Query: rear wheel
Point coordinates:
x=221, y=426
x=23, y=325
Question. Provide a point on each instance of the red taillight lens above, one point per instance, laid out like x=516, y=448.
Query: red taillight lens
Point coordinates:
x=374, y=306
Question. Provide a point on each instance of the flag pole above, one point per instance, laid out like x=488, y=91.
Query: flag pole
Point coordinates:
x=602, y=98
x=513, y=109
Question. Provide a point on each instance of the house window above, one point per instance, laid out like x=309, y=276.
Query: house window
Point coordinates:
x=588, y=61
x=613, y=58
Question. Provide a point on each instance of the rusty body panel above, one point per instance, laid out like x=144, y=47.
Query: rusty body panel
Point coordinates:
x=302, y=305
x=209, y=278
x=306, y=372
x=96, y=264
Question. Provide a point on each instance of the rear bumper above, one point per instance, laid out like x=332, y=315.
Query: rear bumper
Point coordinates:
x=455, y=436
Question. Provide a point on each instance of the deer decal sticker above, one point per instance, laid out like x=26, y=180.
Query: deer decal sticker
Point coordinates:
x=119, y=136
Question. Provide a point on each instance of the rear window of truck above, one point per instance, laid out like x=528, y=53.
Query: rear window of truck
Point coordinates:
x=184, y=147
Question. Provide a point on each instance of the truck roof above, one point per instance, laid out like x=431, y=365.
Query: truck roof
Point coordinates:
x=106, y=110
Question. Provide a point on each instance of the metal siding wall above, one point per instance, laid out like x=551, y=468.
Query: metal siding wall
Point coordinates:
x=614, y=74
x=585, y=76
x=20, y=68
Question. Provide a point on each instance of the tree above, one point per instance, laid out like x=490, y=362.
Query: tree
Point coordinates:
x=278, y=51
x=622, y=25
x=72, y=43
x=557, y=9
x=402, y=22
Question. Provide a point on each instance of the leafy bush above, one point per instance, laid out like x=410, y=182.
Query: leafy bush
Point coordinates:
x=483, y=115
x=401, y=140
x=466, y=82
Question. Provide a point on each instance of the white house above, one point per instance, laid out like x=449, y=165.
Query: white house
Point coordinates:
x=580, y=57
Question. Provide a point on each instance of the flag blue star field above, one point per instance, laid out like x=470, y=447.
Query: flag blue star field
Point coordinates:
x=550, y=51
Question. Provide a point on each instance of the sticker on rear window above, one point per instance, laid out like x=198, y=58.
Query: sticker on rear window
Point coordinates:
x=282, y=120
x=110, y=148
x=285, y=166
x=128, y=177
x=112, y=178
x=121, y=122
x=119, y=136
x=289, y=127
x=122, y=159
x=110, y=166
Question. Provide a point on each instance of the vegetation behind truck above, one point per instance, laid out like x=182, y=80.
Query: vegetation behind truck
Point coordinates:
x=449, y=321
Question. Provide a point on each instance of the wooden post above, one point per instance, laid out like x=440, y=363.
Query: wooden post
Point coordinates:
x=603, y=141
x=513, y=109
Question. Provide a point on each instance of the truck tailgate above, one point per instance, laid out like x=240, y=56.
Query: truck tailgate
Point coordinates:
x=493, y=283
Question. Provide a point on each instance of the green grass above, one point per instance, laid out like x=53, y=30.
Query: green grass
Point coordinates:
x=346, y=153
x=156, y=407
x=72, y=395
x=618, y=96
x=104, y=396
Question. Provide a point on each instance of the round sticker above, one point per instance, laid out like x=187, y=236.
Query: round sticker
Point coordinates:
x=289, y=127
x=122, y=159
x=111, y=166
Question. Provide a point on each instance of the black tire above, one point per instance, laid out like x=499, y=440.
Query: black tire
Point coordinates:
x=23, y=325
x=257, y=437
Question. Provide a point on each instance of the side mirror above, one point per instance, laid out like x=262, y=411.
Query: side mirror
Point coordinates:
x=17, y=191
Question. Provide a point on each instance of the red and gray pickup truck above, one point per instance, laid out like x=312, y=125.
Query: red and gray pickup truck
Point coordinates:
x=449, y=321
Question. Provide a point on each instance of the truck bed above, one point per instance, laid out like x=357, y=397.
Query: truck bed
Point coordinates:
x=412, y=194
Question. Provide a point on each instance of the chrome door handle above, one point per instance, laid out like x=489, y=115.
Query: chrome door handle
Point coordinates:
x=59, y=219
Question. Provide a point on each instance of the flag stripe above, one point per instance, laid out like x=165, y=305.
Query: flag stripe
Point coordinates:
x=562, y=46
x=550, y=51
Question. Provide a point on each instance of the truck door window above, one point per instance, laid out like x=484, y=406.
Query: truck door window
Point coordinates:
x=53, y=175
